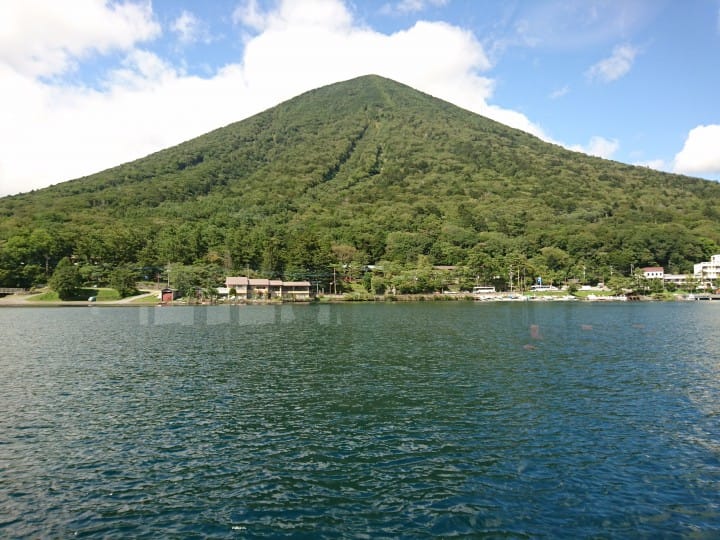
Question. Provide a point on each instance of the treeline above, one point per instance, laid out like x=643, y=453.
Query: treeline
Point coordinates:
x=29, y=258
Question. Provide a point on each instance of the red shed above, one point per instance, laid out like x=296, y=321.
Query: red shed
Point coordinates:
x=168, y=295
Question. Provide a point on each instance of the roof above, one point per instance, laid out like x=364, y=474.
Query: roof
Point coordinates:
x=653, y=269
x=242, y=280
x=234, y=281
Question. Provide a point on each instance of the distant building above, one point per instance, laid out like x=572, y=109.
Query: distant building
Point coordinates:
x=676, y=279
x=296, y=290
x=658, y=272
x=707, y=271
x=168, y=294
x=653, y=272
x=267, y=289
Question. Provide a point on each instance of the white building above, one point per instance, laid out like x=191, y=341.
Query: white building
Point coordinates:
x=676, y=279
x=653, y=272
x=707, y=271
x=658, y=272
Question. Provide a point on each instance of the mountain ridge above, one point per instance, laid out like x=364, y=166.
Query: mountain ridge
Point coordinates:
x=379, y=168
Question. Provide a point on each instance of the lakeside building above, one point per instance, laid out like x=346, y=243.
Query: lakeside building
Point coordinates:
x=658, y=272
x=676, y=279
x=168, y=295
x=653, y=272
x=267, y=289
x=707, y=271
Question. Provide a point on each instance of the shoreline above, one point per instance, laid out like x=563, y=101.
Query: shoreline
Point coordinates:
x=25, y=301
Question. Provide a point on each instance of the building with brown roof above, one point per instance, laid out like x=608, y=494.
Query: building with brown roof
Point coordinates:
x=268, y=289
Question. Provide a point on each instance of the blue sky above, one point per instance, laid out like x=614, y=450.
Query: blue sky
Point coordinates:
x=89, y=84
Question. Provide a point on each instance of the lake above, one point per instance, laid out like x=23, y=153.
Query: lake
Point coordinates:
x=427, y=419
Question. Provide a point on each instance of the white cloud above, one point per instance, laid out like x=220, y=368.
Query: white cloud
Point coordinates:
x=289, y=15
x=140, y=70
x=560, y=92
x=40, y=38
x=575, y=24
x=656, y=164
x=615, y=66
x=598, y=146
x=411, y=6
x=249, y=14
x=53, y=132
x=189, y=28
x=701, y=152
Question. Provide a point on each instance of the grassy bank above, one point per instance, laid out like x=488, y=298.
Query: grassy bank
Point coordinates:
x=100, y=294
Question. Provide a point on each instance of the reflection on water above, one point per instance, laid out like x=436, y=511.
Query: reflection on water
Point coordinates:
x=392, y=420
x=240, y=315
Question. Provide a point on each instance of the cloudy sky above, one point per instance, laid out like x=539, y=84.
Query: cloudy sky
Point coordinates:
x=89, y=84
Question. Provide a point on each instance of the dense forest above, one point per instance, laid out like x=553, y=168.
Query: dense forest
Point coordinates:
x=362, y=172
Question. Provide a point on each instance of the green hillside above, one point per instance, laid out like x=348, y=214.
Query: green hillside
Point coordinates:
x=360, y=172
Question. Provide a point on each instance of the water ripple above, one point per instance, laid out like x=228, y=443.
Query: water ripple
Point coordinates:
x=399, y=421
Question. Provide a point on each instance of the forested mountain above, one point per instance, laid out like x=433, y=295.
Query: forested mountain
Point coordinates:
x=365, y=171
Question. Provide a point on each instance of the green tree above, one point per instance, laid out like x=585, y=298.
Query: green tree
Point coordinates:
x=271, y=264
x=377, y=284
x=186, y=279
x=123, y=280
x=65, y=280
x=42, y=244
x=406, y=246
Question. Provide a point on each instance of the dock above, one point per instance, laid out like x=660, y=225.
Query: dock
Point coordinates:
x=11, y=290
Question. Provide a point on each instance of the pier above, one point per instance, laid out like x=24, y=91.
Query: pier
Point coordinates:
x=707, y=297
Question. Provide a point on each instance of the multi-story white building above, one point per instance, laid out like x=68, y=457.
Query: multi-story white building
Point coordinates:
x=707, y=271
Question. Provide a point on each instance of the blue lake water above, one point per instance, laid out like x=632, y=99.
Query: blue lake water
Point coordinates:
x=363, y=421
